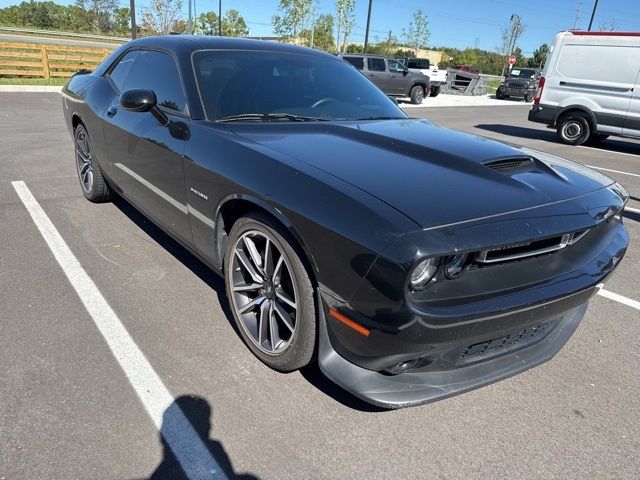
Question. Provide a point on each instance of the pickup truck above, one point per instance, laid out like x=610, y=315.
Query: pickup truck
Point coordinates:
x=437, y=77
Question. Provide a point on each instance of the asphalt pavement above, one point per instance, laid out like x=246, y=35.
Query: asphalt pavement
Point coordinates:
x=71, y=407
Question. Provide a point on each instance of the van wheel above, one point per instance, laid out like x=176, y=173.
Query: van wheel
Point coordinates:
x=596, y=138
x=573, y=129
x=529, y=97
x=417, y=95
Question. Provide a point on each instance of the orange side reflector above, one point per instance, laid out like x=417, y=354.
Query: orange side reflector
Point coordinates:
x=349, y=323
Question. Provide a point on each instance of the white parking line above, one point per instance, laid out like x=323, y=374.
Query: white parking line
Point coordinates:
x=634, y=210
x=619, y=298
x=615, y=171
x=610, y=151
x=193, y=456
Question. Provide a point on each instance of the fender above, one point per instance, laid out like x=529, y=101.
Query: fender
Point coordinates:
x=219, y=233
x=582, y=108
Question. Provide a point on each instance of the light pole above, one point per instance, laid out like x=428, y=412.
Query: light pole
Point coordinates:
x=593, y=14
x=189, y=24
x=366, y=33
x=132, y=11
x=219, y=18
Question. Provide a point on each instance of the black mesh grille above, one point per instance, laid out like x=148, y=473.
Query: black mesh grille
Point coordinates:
x=521, y=84
x=512, y=165
x=508, y=343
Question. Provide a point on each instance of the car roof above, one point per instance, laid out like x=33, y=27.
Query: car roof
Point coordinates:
x=204, y=42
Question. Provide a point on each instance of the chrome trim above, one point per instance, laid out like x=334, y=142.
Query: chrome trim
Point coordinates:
x=566, y=240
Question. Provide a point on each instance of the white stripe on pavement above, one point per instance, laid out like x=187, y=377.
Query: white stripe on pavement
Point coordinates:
x=614, y=171
x=609, y=151
x=634, y=210
x=619, y=298
x=193, y=456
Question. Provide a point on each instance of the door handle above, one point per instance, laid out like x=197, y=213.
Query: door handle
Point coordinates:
x=112, y=111
x=563, y=83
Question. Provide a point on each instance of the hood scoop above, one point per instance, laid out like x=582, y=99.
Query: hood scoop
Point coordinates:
x=511, y=166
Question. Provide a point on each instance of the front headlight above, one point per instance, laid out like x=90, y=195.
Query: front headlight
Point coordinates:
x=423, y=273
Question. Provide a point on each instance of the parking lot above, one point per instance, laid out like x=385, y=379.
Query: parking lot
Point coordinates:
x=73, y=406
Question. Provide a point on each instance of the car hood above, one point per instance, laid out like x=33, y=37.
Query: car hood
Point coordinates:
x=433, y=175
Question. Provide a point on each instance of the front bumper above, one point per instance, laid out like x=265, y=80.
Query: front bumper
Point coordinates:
x=416, y=388
x=515, y=91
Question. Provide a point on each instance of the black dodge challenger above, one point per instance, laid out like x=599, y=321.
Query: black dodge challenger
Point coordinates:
x=412, y=262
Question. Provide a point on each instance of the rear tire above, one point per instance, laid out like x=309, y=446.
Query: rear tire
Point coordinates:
x=417, y=94
x=94, y=186
x=573, y=129
x=270, y=293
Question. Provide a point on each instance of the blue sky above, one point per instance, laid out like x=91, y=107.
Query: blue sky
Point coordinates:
x=471, y=23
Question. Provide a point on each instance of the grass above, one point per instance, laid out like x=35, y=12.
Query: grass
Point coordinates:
x=494, y=83
x=32, y=81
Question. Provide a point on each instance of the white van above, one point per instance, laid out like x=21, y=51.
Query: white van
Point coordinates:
x=590, y=87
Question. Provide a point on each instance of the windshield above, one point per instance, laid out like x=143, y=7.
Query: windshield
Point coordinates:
x=241, y=82
x=523, y=73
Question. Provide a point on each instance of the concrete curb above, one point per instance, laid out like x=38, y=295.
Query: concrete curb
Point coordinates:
x=30, y=88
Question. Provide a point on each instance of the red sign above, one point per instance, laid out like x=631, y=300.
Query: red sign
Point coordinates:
x=512, y=59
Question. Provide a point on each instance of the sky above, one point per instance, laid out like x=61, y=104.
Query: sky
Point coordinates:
x=471, y=23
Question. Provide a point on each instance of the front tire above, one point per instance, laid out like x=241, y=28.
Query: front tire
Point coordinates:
x=529, y=97
x=94, y=186
x=435, y=91
x=416, y=94
x=270, y=293
x=500, y=95
x=573, y=129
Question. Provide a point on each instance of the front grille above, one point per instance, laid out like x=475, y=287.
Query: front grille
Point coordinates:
x=517, y=84
x=509, y=166
x=505, y=344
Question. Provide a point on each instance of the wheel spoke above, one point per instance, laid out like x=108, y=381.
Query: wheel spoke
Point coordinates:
x=276, y=271
x=274, y=332
x=263, y=321
x=282, y=313
x=253, y=253
x=83, y=156
x=282, y=295
x=251, y=304
x=244, y=260
x=247, y=288
x=268, y=261
x=85, y=167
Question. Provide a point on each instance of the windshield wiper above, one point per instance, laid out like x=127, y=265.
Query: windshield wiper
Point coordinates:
x=268, y=116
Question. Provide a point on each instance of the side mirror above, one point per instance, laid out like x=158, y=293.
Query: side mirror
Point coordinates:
x=405, y=71
x=138, y=100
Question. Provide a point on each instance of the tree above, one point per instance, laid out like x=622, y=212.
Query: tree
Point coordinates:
x=233, y=25
x=99, y=13
x=122, y=21
x=206, y=24
x=509, y=38
x=160, y=16
x=417, y=34
x=322, y=33
x=346, y=21
x=292, y=18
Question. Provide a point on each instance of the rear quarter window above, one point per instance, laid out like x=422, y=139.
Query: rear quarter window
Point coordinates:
x=603, y=63
x=376, y=64
x=357, y=62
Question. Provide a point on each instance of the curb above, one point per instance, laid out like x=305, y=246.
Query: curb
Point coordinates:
x=29, y=88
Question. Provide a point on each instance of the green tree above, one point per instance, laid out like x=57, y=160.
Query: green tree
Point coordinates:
x=346, y=21
x=417, y=34
x=233, y=25
x=206, y=24
x=160, y=16
x=99, y=13
x=122, y=21
x=539, y=56
x=291, y=19
x=322, y=33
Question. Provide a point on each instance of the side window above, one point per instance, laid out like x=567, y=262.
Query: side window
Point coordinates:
x=121, y=71
x=376, y=64
x=357, y=62
x=395, y=66
x=158, y=71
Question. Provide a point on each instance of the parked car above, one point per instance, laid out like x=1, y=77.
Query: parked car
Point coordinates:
x=519, y=82
x=437, y=77
x=590, y=87
x=412, y=262
x=390, y=76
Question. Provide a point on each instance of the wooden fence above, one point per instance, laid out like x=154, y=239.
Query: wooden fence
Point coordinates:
x=21, y=59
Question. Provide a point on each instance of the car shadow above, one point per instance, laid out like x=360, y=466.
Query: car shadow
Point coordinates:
x=197, y=411
x=515, y=131
x=311, y=373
